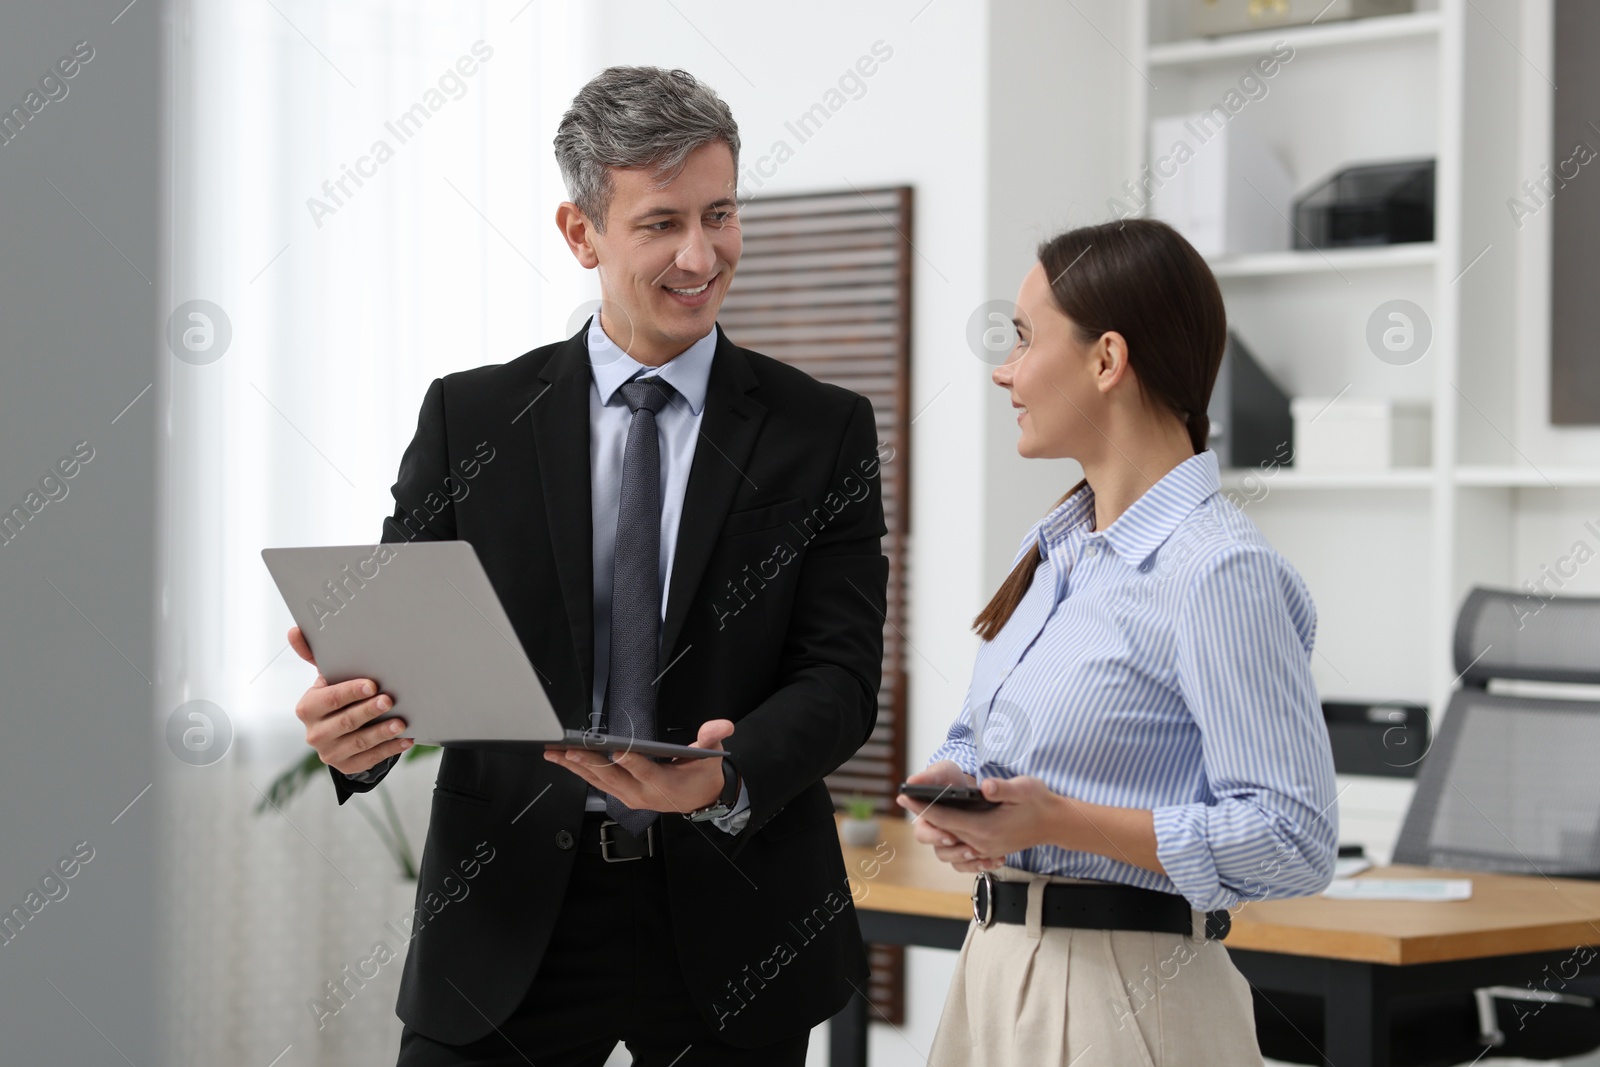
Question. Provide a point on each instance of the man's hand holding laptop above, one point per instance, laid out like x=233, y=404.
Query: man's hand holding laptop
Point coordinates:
x=339, y=718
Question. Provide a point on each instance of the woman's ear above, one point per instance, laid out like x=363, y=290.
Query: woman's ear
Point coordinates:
x=1110, y=355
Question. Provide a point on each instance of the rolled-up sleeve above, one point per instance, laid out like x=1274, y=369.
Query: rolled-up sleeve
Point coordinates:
x=1269, y=827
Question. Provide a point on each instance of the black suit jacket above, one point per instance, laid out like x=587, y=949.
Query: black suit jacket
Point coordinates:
x=775, y=606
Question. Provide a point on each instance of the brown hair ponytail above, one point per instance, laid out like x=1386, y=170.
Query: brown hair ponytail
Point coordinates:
x=1140, y=278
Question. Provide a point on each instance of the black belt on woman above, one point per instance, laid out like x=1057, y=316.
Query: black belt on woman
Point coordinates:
x=1092, y=907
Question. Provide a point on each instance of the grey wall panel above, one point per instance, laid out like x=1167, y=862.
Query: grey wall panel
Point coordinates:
x=79, y=178
x=1575, y=208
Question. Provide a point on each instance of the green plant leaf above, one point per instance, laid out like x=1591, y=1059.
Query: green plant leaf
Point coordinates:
x=860, y=807
x=284, y=787
x=294, y=779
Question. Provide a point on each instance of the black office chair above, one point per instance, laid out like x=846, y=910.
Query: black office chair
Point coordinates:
x=1510, y=786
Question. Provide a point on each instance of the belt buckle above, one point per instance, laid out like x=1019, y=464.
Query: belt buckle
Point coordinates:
x=606, y=842
x=983, y=915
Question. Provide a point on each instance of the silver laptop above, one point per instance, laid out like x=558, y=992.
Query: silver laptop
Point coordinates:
x=422, y=620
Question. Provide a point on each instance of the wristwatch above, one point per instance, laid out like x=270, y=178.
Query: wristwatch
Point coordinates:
x=725, y=802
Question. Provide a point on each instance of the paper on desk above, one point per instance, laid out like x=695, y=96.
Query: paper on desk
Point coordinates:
x=1430, y=889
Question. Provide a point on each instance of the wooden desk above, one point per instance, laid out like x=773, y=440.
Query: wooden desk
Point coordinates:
x=1357, y=955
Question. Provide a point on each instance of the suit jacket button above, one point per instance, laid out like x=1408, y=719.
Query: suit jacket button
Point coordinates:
x=564, y=839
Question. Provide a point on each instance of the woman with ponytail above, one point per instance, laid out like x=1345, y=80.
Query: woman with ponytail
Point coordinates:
x=1141, y=712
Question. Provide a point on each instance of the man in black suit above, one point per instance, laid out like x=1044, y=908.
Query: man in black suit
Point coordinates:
x=697, y=910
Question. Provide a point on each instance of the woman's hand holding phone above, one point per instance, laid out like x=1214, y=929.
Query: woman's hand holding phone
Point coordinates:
x=1029, y=814
x=946, y=845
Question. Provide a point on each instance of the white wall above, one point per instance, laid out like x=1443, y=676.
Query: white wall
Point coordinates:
x=1057, y=150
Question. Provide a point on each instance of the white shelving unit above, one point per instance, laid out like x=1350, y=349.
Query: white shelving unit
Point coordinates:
x=1262, y=483
x=1389, y=556
x=1509, y=477
x=1332, y=261
x=1327, y=35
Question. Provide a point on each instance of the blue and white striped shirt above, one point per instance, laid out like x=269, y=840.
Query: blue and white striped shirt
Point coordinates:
x=1164, y=664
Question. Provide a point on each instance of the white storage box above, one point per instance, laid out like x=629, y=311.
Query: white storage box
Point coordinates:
x=1360, y=435
x=1217, y=183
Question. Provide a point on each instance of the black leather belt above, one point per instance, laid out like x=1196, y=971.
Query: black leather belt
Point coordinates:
x=603, y=837
x=1092, y=907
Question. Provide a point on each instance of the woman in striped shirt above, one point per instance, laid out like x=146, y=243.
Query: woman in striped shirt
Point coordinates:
x=1141, y=709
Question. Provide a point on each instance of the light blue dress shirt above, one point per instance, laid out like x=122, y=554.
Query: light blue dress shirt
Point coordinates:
x=1164, y=663
x=678, y=425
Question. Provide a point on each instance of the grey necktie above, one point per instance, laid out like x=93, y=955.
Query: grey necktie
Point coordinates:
x=636, y=586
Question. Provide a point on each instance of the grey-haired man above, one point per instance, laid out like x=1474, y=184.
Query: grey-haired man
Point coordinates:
x=644, y=468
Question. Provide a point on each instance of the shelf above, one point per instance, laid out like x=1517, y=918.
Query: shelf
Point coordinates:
x=1548, y=477
x=1502, y=477
x=1200, y=51
x=1329, y=261
x=1289, y=478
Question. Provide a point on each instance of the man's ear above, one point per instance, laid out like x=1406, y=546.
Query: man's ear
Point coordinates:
x=578, y=232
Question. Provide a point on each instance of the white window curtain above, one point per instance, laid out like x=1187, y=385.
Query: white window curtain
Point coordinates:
x=366, y=192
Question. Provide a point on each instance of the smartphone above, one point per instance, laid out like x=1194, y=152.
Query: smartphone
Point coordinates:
x=964, y=797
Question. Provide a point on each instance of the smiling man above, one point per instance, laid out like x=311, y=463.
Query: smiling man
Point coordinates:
x=696, y=910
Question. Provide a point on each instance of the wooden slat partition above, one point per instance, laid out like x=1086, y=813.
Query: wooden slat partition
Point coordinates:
x=824, y=284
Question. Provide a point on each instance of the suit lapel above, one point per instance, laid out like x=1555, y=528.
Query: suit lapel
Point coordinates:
x=728, y=431
x=560, y=428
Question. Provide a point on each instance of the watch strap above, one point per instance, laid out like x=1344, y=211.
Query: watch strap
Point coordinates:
x=725, y=801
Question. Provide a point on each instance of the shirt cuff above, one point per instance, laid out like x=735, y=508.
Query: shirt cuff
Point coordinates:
x=963, y=756
x=374, y=773
x=1186, y=856
x=736, y=819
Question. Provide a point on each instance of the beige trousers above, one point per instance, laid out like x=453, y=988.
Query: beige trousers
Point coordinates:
x=1031, y=996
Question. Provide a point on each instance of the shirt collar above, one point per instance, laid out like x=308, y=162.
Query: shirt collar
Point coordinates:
x=689, y=372
x=1070, y=515
x=1148, y=522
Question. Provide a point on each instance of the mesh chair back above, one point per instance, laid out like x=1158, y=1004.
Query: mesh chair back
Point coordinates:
x=1504, y=634
x=1511, y=783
